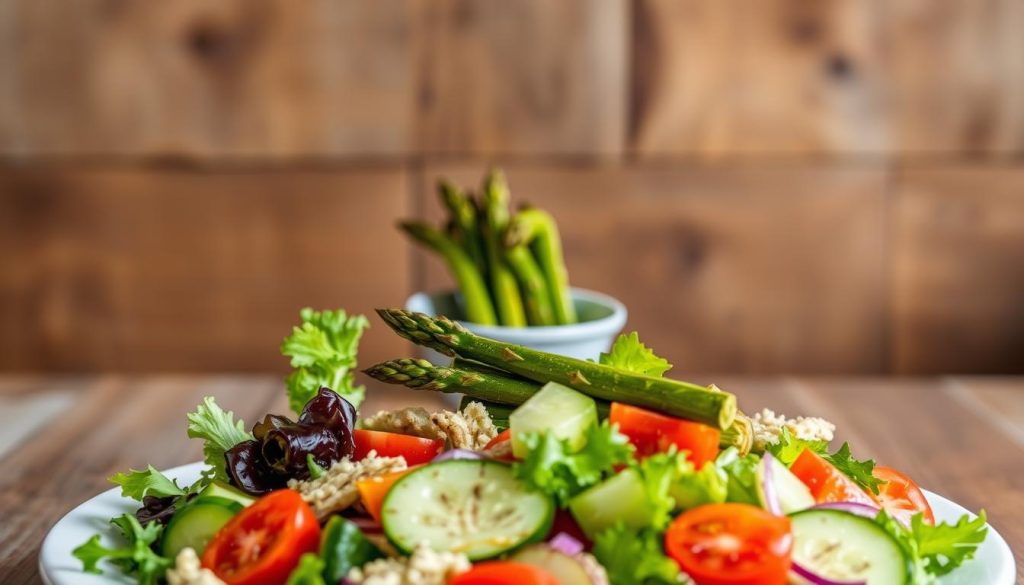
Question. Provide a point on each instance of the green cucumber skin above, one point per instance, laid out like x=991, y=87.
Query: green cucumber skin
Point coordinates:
x=394, y=509
x=835, y=521
x=194, y=525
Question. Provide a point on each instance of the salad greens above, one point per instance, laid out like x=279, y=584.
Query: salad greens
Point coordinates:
x=323, y=352
x=935, y=550
x=139, y=484
x=552, y=467
x=635, y=557
x=220, y=432
x=136, y=556
x=629, y=354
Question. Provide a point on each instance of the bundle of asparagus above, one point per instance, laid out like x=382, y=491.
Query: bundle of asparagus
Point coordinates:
x=502, y=375
x=509, y=268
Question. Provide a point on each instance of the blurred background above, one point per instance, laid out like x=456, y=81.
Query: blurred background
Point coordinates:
x=779, y=186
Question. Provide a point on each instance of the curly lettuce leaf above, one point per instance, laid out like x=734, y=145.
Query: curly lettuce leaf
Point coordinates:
x=220, y=431
x=323, y=352
x=936, y=550
x=138, y=484
x=660, y=472
x=709, y=485
x=630, y=354
x=634, y=557
x=136, y=557
x=553, y=468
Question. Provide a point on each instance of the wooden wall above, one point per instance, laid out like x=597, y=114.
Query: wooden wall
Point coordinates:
x=827, y=186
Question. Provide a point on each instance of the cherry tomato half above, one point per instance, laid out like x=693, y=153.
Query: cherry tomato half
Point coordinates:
x=652, y=432
x=731, y=544
x=416, y=450
x=901, y=497
x=504, y=573
x=263, y=543
x=828, y=484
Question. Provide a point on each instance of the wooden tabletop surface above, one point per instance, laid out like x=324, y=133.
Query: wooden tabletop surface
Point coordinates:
x=60, y=437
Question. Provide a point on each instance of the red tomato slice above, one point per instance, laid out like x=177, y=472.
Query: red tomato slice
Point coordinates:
x=263, y=543
x=901, y=497
x=731, y=544
x=416, y=450
x=503, y=436
x=652, y=432
x=504, y=573
x=828, y=484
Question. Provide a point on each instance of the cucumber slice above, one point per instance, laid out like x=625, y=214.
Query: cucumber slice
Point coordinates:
x=776, y=485
x=842, y=546
x=622, y=497
x=569, y=570
x=555, y=408
x=194, y=525
x=223, y=490
x=476, y=507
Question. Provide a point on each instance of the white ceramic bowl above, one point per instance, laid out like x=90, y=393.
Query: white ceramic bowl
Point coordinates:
x=601, y=318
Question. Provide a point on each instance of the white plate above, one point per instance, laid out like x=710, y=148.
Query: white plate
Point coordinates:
x=993, y=565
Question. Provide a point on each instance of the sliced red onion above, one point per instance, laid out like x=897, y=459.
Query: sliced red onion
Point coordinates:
x=367, y=525
x=566, y=544
x=459, y=454
x=817, y=579
x=771, y=498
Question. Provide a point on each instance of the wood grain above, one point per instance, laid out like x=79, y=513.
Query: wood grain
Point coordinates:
x=269, y=78
x=530, y=77
x=843, y=77
x=958, y=270
x=758, y=269
x=179, y=270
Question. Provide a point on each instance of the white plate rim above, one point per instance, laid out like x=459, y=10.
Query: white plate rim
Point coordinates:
x=55, y=557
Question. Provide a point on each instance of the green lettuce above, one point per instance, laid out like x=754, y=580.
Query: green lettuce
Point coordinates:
x=139, y=484
x=220, y=432
x=135, y=557
x=633, y=557
x=323, y=352
x=629, y=354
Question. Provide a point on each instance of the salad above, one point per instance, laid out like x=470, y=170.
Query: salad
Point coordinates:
x=553, y=471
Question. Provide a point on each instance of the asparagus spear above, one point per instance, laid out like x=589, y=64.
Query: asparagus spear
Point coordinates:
x=536, y=296
x=537, y=227
x=501, y=392
x=675, y=398
x=471, y=283
x=464, y=217
x=420, y=374
x=503, y=282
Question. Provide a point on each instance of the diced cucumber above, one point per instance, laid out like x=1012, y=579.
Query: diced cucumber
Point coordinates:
x=555, y=408
x=223, y=490
x=622, y=497
x=476, y=507
x=842, y=546
x=790, y=493
x=344, y=546
x=194, y=525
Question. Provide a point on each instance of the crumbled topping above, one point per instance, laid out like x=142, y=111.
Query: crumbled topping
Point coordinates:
x=424, y=567
x=188, y=571
x=336, y=489
x=470, y=429
x=413, y=421
x=768, y=428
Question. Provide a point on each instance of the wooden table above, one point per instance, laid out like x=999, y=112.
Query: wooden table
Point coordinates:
x=962, y=437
